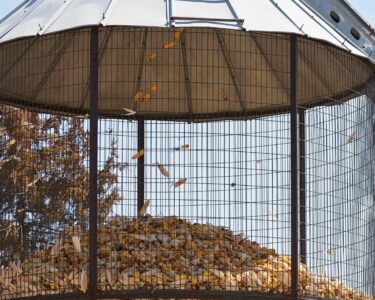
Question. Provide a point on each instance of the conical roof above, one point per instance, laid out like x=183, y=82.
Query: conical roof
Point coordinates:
x=39, y=17
x=238, y=48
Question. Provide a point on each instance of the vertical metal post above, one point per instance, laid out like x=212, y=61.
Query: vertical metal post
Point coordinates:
x=302, y=185
x=294, y=165
x=93, y=188
x=141, y=165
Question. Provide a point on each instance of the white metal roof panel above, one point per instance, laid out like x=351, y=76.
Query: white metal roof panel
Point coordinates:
x=38, y=17
x=31, y=21
x=136, y=13
x=262, y=15
x=79, y=13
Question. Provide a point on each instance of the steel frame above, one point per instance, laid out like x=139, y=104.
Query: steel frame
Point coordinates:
x=297, y=190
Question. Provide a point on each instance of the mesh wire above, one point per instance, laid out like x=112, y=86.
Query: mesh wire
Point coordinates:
x=215, y=170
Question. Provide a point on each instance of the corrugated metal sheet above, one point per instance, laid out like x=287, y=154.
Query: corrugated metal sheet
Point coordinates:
x=39, y=17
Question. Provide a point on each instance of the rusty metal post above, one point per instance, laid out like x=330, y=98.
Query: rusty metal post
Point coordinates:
x=294, y=165
x=93, y=192
x=141, y=165
x=302, y=185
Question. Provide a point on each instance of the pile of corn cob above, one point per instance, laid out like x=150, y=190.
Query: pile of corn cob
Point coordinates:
x=161, y=253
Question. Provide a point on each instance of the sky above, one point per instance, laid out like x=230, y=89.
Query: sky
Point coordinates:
x=365, y=7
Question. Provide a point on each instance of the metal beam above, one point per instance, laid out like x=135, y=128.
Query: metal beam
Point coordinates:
x=294, y=166
x=52, y=66
x=230, y=67
x=343, y=19
x=302, y=185
x=186, y=74
x=13, y=64
x=86, y=89
x=93, y=165
x=274, y=72
x=141, y=166
x=314, y=70
x=234, y=20
x=141, y=62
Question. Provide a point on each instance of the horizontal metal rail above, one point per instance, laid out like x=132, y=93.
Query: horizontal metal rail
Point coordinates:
x=343, y=19
x=234, y=20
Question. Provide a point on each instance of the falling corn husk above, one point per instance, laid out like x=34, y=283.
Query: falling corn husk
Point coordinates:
x=179, y=182
x=258, y=161
x=144, y=207
x=86, y=116
x=272, y=214
x=150, y=56
x=223, y=94
x=351, y=137
x=137, y=96
x=328, y=252
x=129, y=112
x=162, y=169
x=147, y=97
x=169, y=44
x=178, y=32
x=154, y=87
x=139, y=154
x=185, y=146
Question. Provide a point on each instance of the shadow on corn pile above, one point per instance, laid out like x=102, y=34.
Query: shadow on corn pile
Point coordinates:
x=162, y=253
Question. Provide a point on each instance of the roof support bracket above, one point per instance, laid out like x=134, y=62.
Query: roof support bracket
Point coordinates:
x=140, y=64
x=52, y=66
x=186, y=75
x=230, y=67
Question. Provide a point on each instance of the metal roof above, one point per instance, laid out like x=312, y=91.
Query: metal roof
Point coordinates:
x=245, y=43
x=40, y=17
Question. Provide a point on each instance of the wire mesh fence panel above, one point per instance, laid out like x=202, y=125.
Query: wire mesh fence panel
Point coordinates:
x=43, y=169
x=197, y=180
x=338, y=175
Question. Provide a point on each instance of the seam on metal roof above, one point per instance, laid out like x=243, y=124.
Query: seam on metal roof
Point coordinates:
x=287, y=16
x=26, y=13
x=54, y=17
x=310, y=13
x=13, y=11
x=108, y=12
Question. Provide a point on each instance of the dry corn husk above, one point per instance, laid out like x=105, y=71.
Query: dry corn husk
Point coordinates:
x=138, y=95
x=169, y=44
x=129, y=112
x=146, y=97
x=154, y=87
x=178, y=32
x=150, y=56
x=76, y=244
x=162, y=169
x=139, y=154
x=223, y=94
x=179, y=182
x=83, y=281
x=351, y=137
x=144, y=207
x=162, y=253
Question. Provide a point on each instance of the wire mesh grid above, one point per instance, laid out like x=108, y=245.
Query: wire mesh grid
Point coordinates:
x=194, y=159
